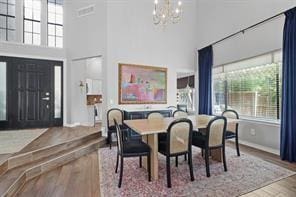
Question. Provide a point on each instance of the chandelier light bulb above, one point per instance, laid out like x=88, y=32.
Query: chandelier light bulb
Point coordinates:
x=179, y=3
x=163, y=16
x=156, y=2
x=154, y=12
x=177, y=11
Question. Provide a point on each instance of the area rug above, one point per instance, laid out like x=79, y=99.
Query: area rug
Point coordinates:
x=15, y=140
x=245, y=173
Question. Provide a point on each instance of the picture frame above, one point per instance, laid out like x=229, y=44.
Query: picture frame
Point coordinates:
x=140, y=84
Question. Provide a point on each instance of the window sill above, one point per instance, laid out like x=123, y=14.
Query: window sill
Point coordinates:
x=276, y=123
x=267, y=122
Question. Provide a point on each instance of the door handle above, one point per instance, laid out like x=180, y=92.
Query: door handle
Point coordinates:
x=45, y=98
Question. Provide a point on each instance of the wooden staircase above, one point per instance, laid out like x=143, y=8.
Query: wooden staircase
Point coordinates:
x=24, y=166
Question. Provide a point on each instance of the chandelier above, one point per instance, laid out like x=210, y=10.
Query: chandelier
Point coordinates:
x=166, y=12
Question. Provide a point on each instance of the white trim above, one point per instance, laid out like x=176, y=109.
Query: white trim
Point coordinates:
x=260, y=147
x=71, y=125
x=30, y=45
x=261, y=122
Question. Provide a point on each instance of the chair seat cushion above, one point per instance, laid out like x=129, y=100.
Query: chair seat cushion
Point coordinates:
x=198, y=139
x=230, y=134
x=135, y=146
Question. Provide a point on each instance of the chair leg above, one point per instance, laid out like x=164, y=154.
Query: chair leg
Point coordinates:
x=168, y=168
x=207, y=162
x=224, y=159
x=121, y=171
x=185, y=157
x=117, y=160
x=202, y=152
x=140, y=161
x=149, y=166
x=190, y=166
x=109, y=139
x=237, y=145
x=176, y=161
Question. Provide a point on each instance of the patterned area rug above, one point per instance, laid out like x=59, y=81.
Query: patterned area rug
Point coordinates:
x=245, y=173
x=15, y=140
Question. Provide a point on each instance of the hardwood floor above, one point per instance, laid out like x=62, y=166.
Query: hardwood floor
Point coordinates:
x=57, y=135
x=57, y=147
x=285, y=187
x=78, y=178
x=81, y=178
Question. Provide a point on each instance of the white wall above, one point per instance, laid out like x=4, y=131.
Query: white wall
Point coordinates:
x=123, y=31
x=84, y=37
x=220, y=18
x=133, y=38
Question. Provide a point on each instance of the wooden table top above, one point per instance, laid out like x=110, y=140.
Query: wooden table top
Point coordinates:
x=146, y=126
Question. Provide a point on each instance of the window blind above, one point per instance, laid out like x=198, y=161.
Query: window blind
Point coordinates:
x=252, y=87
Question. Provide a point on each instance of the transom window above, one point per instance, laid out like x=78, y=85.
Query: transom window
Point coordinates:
x=32, y=22
x=7, y=20
x=252, y=87
x=55, y=23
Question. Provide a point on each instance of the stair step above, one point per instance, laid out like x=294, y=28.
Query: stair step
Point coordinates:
x=12, y=180
x=36, y=155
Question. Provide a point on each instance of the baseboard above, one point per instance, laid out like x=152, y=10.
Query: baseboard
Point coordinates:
x=260, y=147
x=72, y=125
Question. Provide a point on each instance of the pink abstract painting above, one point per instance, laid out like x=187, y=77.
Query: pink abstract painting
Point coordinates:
x=142, y=84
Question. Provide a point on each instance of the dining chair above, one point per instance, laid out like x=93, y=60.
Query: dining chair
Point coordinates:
x=232, y=129
x=212, y=138
x=178, y=142
x=180, y=114
x=130, y=148
x=154, y=115
x=114, y=114
x=173, y=108
x=182, y=107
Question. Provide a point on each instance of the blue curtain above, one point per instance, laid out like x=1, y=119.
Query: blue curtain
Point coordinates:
x=205, y=64
x=288, y=119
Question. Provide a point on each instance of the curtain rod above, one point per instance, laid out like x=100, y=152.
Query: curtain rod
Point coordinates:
x=250, y=27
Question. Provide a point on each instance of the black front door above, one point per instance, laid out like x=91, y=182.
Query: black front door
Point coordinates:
x=31, y=93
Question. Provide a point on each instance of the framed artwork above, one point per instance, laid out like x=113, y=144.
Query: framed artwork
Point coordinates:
x=138, y=84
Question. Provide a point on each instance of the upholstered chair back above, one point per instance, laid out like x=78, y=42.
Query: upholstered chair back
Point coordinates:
x=203, y=119
x=179, y=135
x=180, y=114
x=216, y=131
x=114, y=114
x=233, y=115
x=155, y=115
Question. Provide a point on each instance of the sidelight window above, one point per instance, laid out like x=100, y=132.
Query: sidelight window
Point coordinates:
x=57, y=91
x=3, y=104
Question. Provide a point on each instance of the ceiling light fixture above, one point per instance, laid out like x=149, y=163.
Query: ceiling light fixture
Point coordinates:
x=166, y=13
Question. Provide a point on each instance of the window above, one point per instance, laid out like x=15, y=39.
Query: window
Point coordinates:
x=32, y=21
x=57, y=91
x=2, y=91
x=252, y=87
x=7, y=20
x=55, y=23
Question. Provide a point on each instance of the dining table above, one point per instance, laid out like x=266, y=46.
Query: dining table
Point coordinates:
x=150, y=128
